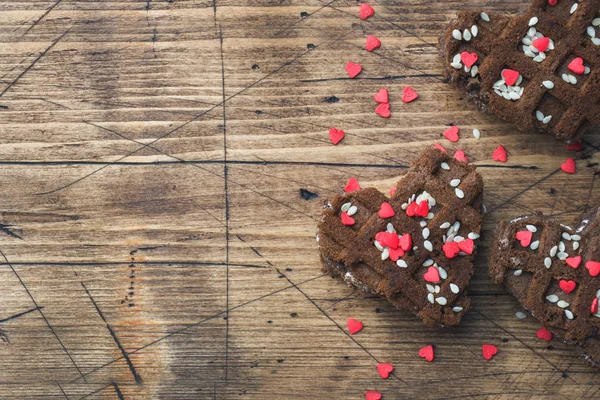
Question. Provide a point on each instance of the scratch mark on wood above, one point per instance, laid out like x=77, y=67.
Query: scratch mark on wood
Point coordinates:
x=20, y=314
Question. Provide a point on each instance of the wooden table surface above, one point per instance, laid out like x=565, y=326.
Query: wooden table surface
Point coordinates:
x=154, y=240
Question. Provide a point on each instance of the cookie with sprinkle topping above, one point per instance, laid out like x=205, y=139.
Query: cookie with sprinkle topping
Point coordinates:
x=539, y=69
x=415, y=248
x=554, y=272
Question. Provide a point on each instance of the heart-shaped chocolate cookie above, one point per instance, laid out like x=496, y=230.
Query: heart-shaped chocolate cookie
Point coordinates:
x=556, y=275
x=415, y=248
x=539, y=69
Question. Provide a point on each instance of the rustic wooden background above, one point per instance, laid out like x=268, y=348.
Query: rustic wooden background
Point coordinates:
x=154, y=242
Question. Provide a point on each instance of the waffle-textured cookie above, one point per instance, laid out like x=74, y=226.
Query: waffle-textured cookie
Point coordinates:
x=554, y=272
x=540, y=69
x=421, y=258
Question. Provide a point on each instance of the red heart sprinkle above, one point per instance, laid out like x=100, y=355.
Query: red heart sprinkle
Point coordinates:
x=411, y=209
x=347, y=220
x=423, y=209
x=467, y=246
x=594, y=308
x=386, y=211
x=351, y=186
x=353, y=69
x=365, y=11
x=568, y=166
x=372, y=395
x=384, y=370
x=440, y=147
x=382, y=96
x=336, y=135
x=489, y=351
x=500, y=154
x=593, y=267
x=573, y=262
x=396, y=254
x=354, y=326
x=567, y=286
x=552, y=2
x=409, y=95
x=388, y=239
x=452, y=134
x=460, y=156
x=545, y=334
x=372, y=43
x=576, y=66
x=384, y=110
x=451, y=249
x=576, y=146
x=432, y=275
x=510, y=76
x=393, y=191
x=469, y=58
x=542, y=43
x=524, y=237
x=405, y=242
x=427, y=353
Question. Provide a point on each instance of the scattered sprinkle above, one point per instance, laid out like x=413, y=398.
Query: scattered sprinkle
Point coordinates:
x=427, y=353
x=372, y=43
x=384, y=369
x=568, y=166
x=489, y=351
x=365, y=11
x=476, y=133
x=452, y=134
x=354, y=326
x=500, y=154
x=352, y=186
x=409, y=95
x=569, y=314
x=544, y=334
x=520, y=315
x=353, y=69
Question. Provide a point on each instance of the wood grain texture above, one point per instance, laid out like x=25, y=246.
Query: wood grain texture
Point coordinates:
x=154, y=241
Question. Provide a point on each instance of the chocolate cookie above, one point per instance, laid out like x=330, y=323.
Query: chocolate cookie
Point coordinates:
x=540, y=69
x=554, y=272
x=415, y=248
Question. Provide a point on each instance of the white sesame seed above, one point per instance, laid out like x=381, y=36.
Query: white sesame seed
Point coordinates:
x=518, y=272
x=574, y=8
x=531, y=32
x=455, y=182
x=572, y=80
x=551, y=45
x=345, y=207
x=562, y=246
x=456, y=65
x=553, y=251
x=454, y=288
x=552, y=298
x=575, y=238
x=526, y=41
x=445, y=166
x=431, y=298
x=467, y=35
x=596, y=22
x=436, y=289
x=402, y=264
x=520, y=315
x=562, y=304
x=568, y=313
x=459, y=193
x=547, y=119
x=587, y=70
x=427, y=244
x=486, y=17
x=385, y=254
x=423, y=224
x=404, y=206
x=591, y=31
x=548, y=84
x=445, y=225
x=430, y=288
x=457, y=309
x=533, y=21
x=473, y=236
x=521, y=91
x=596, y=41
x=425, y=233
x=539, y=115
x=538, y=58
x=456, y=226
x=428, y=262
x=566, y=236
x=475, y=30
x=390, y=228
x=598, y=293
x=499, y=93
x=474, y=71
x=432, y=202
x=562, y=255
x=456, y=59
x=476, y=133
x=506, y=96
x=441, y=301
x=531, y=228
x=575, y=245
x=499, y=83
x=548, y=262
x=443, y=273
x=378, y=245
x=430, y=215
x=529, y=53
x=456, y=34
x=535, y=245
x=352, y=210
x=444, y=238
x=467, y=69
x=565, y=77
x=484, y=208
